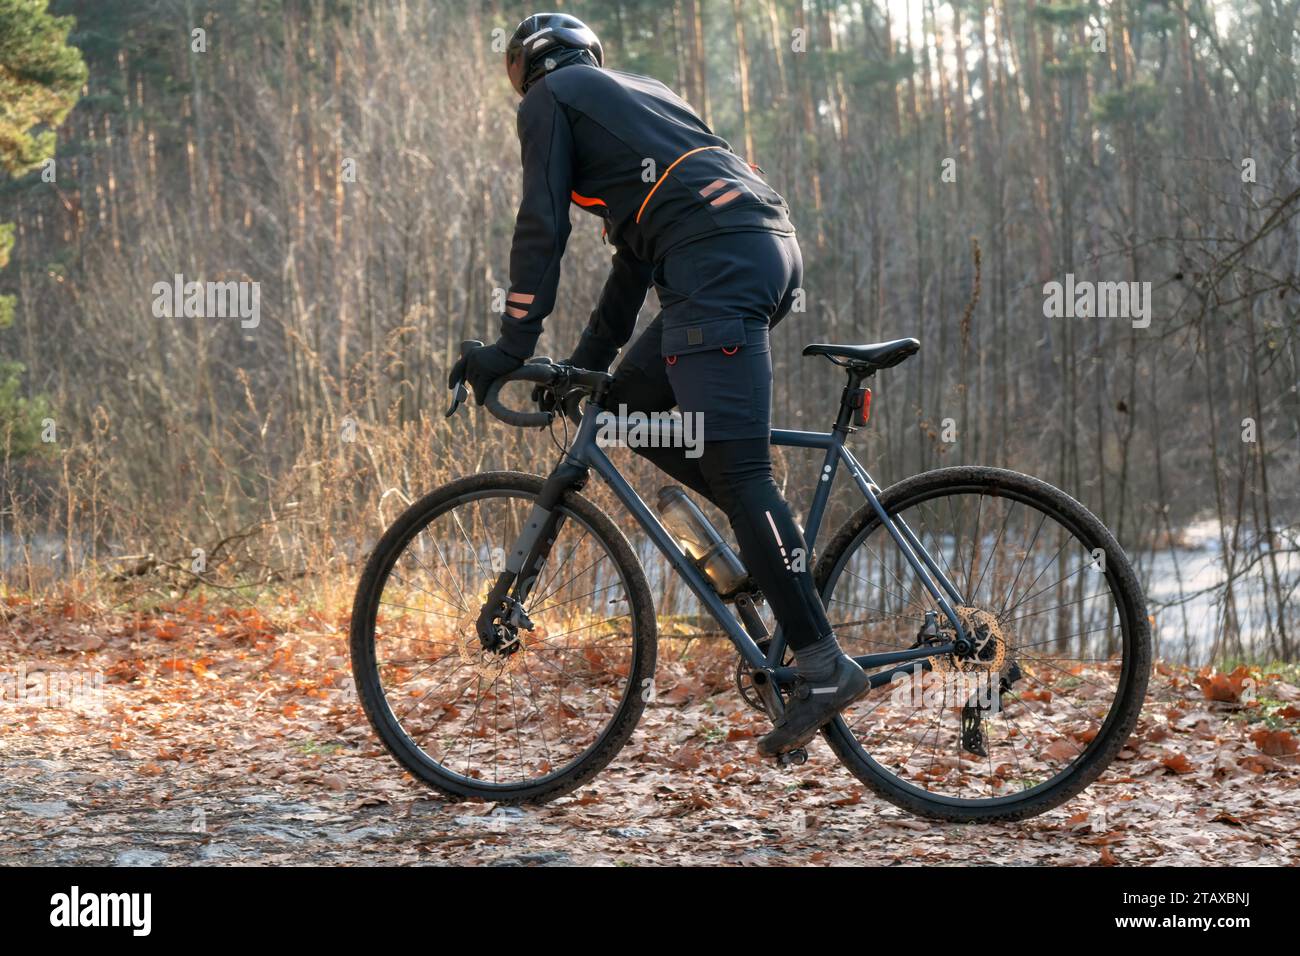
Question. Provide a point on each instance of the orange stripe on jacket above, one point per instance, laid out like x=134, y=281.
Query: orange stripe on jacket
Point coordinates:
x=667, y=173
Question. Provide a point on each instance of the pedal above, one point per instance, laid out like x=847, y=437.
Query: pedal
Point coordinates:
x=793, y=758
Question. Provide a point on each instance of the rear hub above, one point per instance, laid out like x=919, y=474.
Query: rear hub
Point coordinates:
x=985, y=647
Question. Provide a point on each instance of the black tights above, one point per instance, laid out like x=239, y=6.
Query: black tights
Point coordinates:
x=736, y=476
x=704, y=287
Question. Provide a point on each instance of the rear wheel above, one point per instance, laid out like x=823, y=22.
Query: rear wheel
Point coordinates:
x=1052, y=687
x=529, y=725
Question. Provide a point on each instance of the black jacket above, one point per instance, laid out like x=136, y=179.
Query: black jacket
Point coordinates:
x=628, y=149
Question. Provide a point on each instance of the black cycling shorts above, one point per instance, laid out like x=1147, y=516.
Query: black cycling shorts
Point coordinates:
x=707, y=351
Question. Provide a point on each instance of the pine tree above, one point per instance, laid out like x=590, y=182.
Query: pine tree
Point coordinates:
x=40, y=79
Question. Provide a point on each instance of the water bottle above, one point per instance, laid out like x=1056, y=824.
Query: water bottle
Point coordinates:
x=701, y=541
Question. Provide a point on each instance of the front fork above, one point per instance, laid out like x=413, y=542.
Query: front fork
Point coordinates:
x=502, y=615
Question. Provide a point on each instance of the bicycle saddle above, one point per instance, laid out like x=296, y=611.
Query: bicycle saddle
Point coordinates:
x=870, y=357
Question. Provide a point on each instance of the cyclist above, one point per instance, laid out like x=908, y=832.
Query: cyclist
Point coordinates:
x=683, y=212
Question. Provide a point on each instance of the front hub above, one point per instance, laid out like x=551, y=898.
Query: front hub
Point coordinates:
x=497, y=638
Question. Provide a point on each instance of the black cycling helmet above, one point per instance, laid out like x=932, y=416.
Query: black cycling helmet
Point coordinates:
x=544, y=33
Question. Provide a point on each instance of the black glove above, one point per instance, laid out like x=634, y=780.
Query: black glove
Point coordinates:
x=481, y=367
x=592, y=354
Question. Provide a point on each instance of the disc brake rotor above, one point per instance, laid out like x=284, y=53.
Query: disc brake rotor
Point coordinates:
x=990, y=641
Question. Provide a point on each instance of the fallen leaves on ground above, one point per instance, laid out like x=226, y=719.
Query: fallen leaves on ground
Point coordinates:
x=227, y=735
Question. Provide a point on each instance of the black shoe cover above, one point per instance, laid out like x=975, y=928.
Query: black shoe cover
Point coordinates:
x=813, y=705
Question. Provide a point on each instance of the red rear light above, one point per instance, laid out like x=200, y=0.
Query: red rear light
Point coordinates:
x=866, y=405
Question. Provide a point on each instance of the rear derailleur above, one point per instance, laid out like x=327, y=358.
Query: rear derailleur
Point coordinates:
x=972, y=714
x=983, y=650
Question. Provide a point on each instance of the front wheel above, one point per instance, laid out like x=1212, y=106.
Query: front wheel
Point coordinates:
x=525, y=726
x=1053, y=682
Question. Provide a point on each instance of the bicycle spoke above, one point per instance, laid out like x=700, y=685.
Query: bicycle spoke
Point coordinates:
x=501, y=720
x=1060, y=692
x=993, y=552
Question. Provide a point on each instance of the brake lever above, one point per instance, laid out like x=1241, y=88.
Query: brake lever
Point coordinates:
x=458, y=398
x=460, y=393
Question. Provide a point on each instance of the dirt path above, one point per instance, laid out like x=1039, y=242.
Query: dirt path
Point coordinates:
x=223, y=738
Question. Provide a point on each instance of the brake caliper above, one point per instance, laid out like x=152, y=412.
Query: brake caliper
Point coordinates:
x=515, y=619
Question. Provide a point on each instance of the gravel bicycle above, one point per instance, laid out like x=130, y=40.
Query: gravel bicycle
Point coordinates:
x=503, y=634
